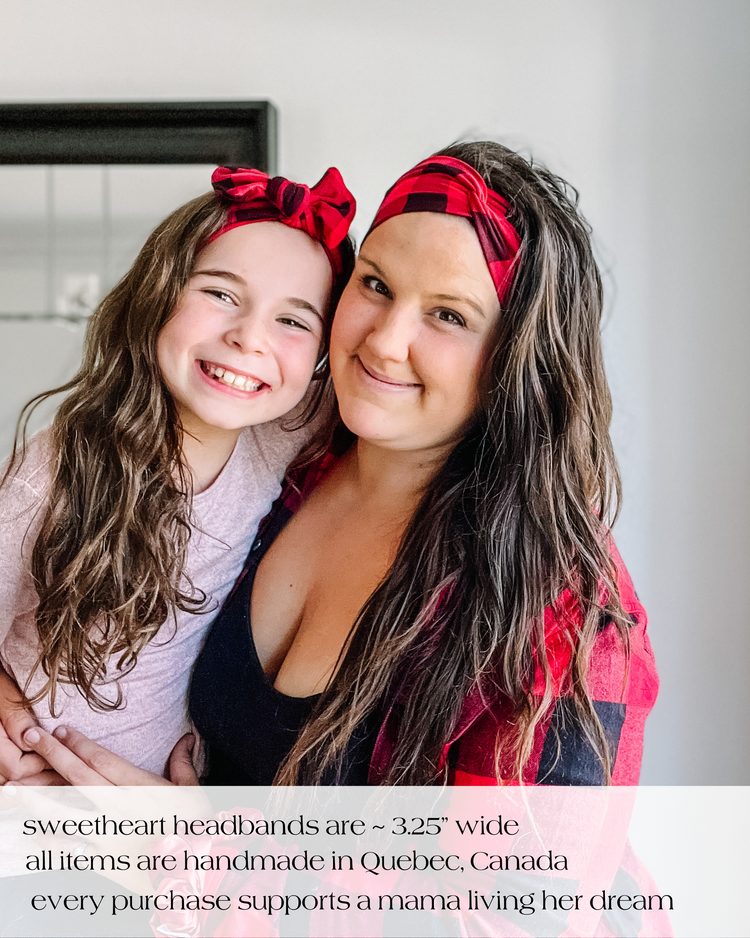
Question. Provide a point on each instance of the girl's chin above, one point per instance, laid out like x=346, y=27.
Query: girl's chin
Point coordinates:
x=204, y=426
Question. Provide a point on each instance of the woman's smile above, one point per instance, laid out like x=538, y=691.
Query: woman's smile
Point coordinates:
x=381, y=383
x=410, y=332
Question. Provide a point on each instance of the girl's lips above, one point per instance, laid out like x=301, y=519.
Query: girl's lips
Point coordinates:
x=236, y=383
x=380, y=382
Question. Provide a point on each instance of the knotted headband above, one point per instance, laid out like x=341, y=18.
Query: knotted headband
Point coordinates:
x=323, y=212
x=451, y=187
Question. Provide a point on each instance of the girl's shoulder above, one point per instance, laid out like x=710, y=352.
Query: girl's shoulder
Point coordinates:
x=28, y=481
x=271, y=446
x=277, y=443
x=23, y=502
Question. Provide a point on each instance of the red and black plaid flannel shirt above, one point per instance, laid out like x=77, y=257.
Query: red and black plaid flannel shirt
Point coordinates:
x=623, y=692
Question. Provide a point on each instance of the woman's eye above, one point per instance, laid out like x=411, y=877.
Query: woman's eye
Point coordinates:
x=450, y=316
x=376, y=285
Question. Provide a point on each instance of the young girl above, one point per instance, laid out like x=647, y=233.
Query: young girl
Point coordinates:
x=124, y=526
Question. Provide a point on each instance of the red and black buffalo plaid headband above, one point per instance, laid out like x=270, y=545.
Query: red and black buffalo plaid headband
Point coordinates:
x=323, y=212
x=449, y=186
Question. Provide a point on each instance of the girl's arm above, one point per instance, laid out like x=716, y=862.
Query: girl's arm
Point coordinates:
x=15, y=719
x=23, y=497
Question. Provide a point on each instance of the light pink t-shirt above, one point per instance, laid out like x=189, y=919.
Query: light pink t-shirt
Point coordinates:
x=226, y=517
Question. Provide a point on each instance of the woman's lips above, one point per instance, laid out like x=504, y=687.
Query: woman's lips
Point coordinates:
x=224, y=378
x=372, y=378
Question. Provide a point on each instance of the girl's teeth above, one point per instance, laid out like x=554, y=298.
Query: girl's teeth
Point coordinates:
x=234, y=381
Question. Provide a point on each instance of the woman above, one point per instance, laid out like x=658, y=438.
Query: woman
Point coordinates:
x=446, y=604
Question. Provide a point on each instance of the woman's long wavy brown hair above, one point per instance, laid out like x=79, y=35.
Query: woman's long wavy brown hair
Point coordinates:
x=518, y=513
x=109, y=560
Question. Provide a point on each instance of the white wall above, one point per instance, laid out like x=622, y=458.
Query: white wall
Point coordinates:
x=640, y=105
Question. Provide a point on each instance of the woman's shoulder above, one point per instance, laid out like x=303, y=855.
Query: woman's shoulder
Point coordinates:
x=631, y=662
x=613, y=647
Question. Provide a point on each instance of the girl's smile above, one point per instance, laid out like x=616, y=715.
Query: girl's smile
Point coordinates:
x=231, y=381
x=241, y=346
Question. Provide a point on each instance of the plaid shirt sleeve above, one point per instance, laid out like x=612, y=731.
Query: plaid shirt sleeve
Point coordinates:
x=623, y=692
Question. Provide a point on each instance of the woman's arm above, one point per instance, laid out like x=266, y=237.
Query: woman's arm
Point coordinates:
x=15, y=718
x=80, y=761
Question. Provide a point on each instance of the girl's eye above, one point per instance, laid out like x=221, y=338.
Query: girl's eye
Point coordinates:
x=220, y=294
x=450, y=316
x=377, y=286
x=296, y=323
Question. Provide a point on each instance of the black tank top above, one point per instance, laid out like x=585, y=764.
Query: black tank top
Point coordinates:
x=249, y=726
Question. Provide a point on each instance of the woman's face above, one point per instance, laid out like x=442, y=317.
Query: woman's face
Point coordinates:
x=410, y=333
x=241, y=346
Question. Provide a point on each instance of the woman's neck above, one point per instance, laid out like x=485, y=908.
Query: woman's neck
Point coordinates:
x=392, y=478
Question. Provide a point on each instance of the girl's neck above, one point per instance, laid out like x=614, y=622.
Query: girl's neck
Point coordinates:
x=206, y=455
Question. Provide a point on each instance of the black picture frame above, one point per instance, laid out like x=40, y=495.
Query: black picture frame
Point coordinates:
x=226, y=133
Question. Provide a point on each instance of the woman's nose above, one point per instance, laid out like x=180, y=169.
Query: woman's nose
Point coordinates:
x=393, y=333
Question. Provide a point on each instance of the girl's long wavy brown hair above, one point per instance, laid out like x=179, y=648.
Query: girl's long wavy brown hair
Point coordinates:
x=109, y=560
x=518, y=513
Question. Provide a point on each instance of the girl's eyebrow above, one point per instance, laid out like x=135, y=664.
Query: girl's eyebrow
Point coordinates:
x=226, y=274
x=299, y=303
x=295, y=301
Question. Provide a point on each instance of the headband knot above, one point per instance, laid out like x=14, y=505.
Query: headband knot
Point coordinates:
x=324, y=212
x=449, y=186
x=290, y=199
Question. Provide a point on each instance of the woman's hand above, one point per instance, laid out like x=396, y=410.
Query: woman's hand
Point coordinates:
x=15, y=719
x=107, y=781
x=80, y=761
x=181, y=767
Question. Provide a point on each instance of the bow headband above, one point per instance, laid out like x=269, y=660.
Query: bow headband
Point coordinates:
x=324, y=212
x=451, y=187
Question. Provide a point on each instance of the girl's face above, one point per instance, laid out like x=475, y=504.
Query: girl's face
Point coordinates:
x=241, y=346
x=410, y=332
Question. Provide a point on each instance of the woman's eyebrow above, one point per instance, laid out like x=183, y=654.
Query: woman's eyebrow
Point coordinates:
x=448, y=298
x=444, y=297
x=372, y=264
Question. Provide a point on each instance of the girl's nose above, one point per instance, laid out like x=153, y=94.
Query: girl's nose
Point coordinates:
x=248, y=334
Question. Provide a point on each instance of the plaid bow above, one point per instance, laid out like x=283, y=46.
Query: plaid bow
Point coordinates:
x=324, y=212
